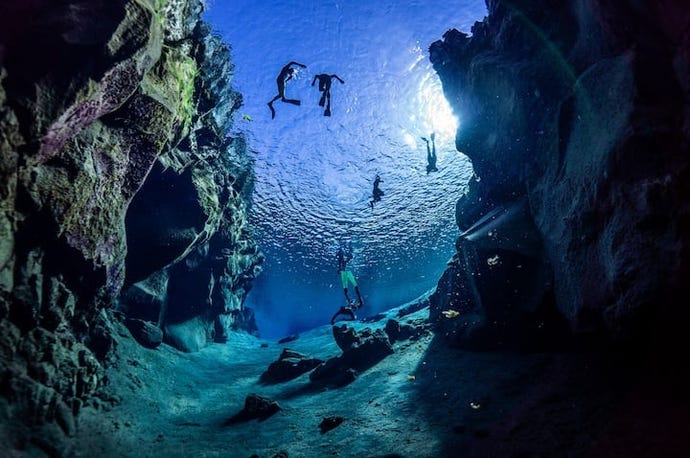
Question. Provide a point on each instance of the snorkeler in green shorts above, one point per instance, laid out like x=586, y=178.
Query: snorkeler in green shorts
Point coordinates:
x=346, y=277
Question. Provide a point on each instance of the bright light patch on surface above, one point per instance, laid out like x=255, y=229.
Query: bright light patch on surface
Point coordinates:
x=439, y=115
x=409, y=140
x=314, y=173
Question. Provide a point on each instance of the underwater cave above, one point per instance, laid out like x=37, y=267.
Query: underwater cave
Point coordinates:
x=196, y=258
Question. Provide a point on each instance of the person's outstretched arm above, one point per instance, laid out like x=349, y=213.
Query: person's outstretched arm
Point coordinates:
x=338, y=78
x=314, y=80
x=298, y=64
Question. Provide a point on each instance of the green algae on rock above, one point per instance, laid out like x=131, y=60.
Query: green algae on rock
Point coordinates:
x=96, y=104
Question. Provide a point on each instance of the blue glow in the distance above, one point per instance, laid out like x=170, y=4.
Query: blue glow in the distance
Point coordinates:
x=314, y=173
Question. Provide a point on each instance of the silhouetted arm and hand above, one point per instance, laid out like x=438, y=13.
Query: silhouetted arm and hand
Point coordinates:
x=338, y=78
x=286, y=74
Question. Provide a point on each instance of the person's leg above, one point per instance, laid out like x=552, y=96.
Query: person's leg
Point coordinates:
x=292, y=101
x=359, y=297
x=344, y=280
x=328, y=104
x=353, y=282
x=281, y=93
x=433, y=148
x=270, y=105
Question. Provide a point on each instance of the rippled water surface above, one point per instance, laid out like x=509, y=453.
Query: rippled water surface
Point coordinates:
x=315, y=173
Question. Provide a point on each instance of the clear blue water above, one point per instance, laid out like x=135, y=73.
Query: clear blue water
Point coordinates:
x=315, y=173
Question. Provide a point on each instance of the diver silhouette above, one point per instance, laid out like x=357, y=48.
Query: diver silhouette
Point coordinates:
x=376, y=192
x=285, y=75
x=431, y=154
x=343, y=256
x=325, y=87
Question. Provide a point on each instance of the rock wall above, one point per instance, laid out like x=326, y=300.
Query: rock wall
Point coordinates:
x=116, y=175
x=579, y=113
x=191, y=258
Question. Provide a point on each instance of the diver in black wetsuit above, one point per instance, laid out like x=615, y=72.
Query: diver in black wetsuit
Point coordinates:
x=376, y=193
x=325, y=87
x=431, y=154
x=344, y=255
x=285, y=75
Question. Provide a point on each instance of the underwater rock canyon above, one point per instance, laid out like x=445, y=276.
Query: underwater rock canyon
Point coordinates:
x=123, y=215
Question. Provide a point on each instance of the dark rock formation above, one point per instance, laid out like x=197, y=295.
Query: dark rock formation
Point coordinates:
x=576, y=120
x=255, y=408
x=114, y=171
x=346, y=337
x=360, y=352
x=330, y=423
x=398, y=332
x=290, y=364
x=146, y=333
x=190, y=270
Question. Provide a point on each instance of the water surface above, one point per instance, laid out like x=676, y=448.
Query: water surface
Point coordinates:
x=314, y=173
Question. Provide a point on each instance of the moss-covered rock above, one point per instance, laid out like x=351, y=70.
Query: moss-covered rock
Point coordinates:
x=104, y=108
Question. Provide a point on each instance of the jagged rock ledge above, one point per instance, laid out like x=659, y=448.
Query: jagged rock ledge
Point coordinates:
x=118, y=185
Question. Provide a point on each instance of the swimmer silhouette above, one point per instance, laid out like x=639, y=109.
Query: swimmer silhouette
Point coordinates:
x=285, y=75
x=325, y=87
x=376, y=192
x=431, y=154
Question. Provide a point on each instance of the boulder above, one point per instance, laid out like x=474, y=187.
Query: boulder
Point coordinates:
x=255, y=408
x=360, y=352
x=330, y=423
x=290, y=364
x=397, y=332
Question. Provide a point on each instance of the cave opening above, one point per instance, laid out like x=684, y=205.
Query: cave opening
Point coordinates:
x=314, y=173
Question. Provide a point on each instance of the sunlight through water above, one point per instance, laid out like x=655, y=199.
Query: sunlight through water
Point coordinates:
x=314, y=173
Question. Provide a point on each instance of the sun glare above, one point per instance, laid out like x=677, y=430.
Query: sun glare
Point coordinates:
x=439, y=117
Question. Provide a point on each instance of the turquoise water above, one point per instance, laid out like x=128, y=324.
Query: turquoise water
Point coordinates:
x=314, y=173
